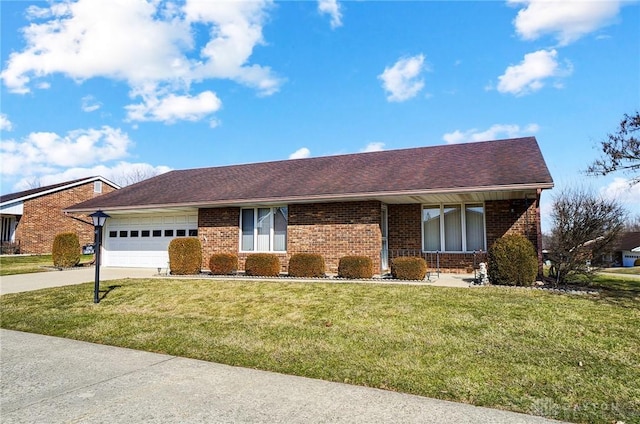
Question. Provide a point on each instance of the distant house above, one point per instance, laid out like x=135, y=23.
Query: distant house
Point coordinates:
x=32, y=218
x=627, y=249
x=445, y=203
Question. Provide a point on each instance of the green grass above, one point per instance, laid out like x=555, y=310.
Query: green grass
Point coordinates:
x=572, y=358
x=631, y=270
x=11, y=265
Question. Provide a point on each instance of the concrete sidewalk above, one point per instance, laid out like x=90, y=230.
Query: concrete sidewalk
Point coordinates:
x=54, y=380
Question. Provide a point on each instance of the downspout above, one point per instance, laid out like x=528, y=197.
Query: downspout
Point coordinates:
x=539, y=233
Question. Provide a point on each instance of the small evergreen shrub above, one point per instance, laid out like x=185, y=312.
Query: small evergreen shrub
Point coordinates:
x=513, y=261
x=306, y=265
x=185, y=256
x=355, y=267
x=262, y=265
x=409, y=268
x=223, y=263
x=66, y=250
x=636, y=262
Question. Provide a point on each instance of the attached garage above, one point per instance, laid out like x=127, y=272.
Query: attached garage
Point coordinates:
x=142, y=240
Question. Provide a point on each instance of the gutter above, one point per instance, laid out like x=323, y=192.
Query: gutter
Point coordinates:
x=316, y=198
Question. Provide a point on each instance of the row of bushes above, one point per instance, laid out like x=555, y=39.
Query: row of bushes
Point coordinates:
x=512, y=261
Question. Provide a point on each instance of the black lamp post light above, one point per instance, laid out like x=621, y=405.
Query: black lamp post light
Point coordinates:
x=98, y=218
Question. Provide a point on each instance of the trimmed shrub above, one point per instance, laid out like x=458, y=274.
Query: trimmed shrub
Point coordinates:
x=513, y=261
x=66, y=250
x=306, y=265
x=262, y=265
x=636, y=262
x=355, y=267
x=409, y=268
x=223, y=263
x=185, y=256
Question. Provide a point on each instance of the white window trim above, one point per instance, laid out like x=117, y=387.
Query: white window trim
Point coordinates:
x=272, y=230
x=463, y=223
x=97, y=186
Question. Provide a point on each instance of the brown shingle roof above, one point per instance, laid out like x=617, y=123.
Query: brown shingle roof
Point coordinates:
x=628, y=241
x=512, y=162
x=34, y=192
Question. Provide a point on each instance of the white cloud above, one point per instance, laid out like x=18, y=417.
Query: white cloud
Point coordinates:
x=147, y=44
x=45, y=152
x=5, y=123
x=119, y=174
x=331, y=8
x=172, y=107
x=376, y=146
x=495, y=132
x=530, y=74
x=402, y=80
x=568, y=20
x=620, y=190
x=90, y=104
x=301, y=153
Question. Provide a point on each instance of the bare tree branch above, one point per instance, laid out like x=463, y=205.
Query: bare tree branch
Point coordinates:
x=620, y=151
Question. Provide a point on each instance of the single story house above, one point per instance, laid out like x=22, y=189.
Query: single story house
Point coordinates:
x=32, y=218
x=445, y=203
x=627, y=249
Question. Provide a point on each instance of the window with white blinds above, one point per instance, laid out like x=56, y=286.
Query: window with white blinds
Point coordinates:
x=263, y=229
x=453, y=228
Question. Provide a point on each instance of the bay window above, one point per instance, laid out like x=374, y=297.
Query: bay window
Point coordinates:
x=453, y=228
x=263, y=229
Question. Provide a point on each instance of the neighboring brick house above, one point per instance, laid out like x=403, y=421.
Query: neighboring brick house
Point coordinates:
x=32, y=218
x=446, y=203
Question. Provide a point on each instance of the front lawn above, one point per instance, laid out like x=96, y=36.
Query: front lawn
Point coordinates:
x=10, y=264
x=572, y=358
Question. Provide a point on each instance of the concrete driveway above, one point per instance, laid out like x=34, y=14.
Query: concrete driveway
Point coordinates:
x=42, y=280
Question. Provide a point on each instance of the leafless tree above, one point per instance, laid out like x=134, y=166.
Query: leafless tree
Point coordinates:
x=135, y=175
x=633, y=223
x=621, y=151
x=584, y=226
x=34, y=182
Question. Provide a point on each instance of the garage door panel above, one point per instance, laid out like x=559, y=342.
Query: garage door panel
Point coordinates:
x=126, y=246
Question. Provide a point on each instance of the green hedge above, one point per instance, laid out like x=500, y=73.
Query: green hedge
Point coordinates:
x=223, y=263
x=306, y=265
x=409, y=268
x=262, y=265
x=66, y=250
x=185, y=256
x=355, y=267
x=513, y=261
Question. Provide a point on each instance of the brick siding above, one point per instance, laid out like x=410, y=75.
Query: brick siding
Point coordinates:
x=501, y=218
x=334, y=230
x=42, y=218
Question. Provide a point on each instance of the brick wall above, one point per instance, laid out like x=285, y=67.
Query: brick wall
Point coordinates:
x=330, y=229
x=219, y=231
x=501, y=217
x=335, y=230
x=511, y=217
x=42, y=218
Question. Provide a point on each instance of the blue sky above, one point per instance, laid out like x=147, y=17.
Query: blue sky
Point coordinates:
x=109, y=88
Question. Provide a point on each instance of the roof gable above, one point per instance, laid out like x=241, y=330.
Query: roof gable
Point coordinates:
x=483, y=165
x=42, y=191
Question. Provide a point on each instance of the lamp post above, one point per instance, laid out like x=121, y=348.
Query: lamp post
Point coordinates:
x=98, y=218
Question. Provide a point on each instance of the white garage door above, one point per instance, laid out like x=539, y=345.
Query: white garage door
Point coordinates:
x=141, y=241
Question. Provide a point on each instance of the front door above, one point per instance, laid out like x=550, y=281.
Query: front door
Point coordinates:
x=384, y=229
